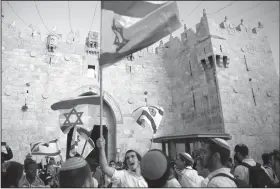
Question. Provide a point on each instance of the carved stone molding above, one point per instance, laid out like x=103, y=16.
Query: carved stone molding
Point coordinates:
x=107, y=98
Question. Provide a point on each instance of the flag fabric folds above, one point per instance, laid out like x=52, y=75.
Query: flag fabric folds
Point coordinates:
x=79, y=117
x=50, y=148
x=129, y=26
x=148, y=116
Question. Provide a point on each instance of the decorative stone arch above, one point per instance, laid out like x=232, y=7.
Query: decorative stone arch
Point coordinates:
x=114, y=107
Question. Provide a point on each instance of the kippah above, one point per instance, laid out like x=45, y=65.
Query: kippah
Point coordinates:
x=153, y=165
x=186, y=156
x=73, y=163
x=221, y=142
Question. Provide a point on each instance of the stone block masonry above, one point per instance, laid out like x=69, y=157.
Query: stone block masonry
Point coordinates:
x=216, y=80
x=60, y=78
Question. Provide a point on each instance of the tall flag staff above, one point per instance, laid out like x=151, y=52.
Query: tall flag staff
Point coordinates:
x=101, y=76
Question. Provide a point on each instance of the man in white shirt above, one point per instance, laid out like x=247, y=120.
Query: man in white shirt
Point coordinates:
x=215, y=155
x=187, y=176
x=125, y=178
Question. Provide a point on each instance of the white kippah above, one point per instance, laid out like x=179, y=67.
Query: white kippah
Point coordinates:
x=187, y=156
x=221, y=142
x=73, y=163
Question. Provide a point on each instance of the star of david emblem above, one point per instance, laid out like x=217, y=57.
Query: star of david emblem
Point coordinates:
x=67, y=122
x=120, y=41
x=152, y=111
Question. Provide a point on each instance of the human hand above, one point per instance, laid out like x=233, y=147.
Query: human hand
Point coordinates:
x=100, y=143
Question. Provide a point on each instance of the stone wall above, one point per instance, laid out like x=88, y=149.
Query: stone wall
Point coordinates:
x=249, y=91
x=238, y=93
x=240, y=97
x=25, y=60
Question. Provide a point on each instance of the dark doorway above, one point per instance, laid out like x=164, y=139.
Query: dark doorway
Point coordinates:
x=218, y=60
x=93, y=157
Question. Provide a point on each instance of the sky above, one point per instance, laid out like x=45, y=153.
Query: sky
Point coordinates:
x=84, y=18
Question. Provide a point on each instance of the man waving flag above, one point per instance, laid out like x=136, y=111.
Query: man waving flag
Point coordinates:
x=129, y=26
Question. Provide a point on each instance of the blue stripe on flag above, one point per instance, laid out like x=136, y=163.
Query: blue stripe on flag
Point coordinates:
x=49, y=154
x=33, y=146
x=149, y=117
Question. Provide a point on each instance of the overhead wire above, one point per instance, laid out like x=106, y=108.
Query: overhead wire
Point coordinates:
x=69, y=13
x=93, y=16
x=219, y=10
x=41, y=17
x=17, y=14
x=194, y=9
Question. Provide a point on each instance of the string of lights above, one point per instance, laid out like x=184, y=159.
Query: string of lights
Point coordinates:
x=93, y=15
x=17, y=14
x=41, y=17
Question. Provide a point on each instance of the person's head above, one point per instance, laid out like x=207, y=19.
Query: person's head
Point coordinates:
x=155, y=168
x=75, y=173
x=30, y=168
x=119, y=165
x=215, y=154
x=13, y=174
x=236, y=160
x=132, y=160
x=184, y=160
x=275, y=160
x=112, y=163
x=241, y=151
x=171, y=165
x=229, y=163
x=51, y=170
x=51, y=161
x=266, y=157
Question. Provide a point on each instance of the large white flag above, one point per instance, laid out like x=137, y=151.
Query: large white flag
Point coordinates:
x=78, y=113
x=129, y=26
x=148, y=116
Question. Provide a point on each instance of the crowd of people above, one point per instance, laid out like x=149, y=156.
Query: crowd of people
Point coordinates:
x=211, y=167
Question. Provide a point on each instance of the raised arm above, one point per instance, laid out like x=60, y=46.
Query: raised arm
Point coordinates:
x=109, y=171
x=9, y=154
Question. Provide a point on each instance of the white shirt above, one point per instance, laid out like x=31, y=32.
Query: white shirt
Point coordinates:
x=189, y=178
x=172, y=183
x=271, y=174
x=126, y=178
x=241, y=172
x=219, y=181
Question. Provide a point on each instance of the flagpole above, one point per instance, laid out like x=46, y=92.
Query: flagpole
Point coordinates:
x=101, y=75
x=101, y=85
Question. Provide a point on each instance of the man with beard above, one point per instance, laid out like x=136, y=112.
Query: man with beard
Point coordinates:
x=187, y=176
x=215, y=155
x=125, y=178
x=30, y=179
